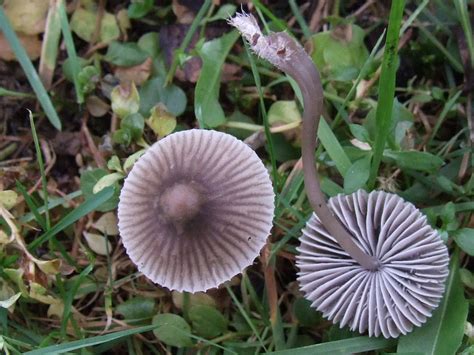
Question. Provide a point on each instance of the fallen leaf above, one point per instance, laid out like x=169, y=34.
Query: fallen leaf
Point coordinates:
x=283, y=112
x=195, y=299
x=83, y=24
x=361, y=145
x=109, y=29
x=106, y=181
x=171, y=37
x=96, y=106
x=161, y=121
x=230, y=72
x=123, y=20
x=40, y=294
x=16, y=275
x=114, y=164
x=4, y=238
x=27, y=16
x=67, y=143
x=56, y=309
x=9, y=302
x=132, y=159
x=31, y=44
x=50, y=267
x=138, y=73
x=107, y=224
x=184, y=14
x=125, y=99
x=8, y=198
x=98, y=243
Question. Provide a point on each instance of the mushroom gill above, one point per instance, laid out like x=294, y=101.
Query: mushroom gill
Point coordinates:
x=195, y=210
x=405, y=289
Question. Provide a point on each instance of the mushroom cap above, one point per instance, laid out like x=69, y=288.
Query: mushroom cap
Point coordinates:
x=409, y=283
x=195, y=210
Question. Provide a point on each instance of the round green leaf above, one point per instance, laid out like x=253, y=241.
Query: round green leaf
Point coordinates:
x=207, y=321
x=149, y=43
x=306, y=315
x=137, y=308
x=154, y=91
x=125, y=54
x=172, y=330
x=283, y=112
x=89, y=179
x=135, y=124
x=464, y=237
x=357, y=175
x=106, y=181
x=161, y=121
x=138, y=9
x=122, y=136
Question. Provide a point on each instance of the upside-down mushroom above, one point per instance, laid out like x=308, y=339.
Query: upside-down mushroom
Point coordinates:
x=195, y=210
x=366, y=260
x=401, y=293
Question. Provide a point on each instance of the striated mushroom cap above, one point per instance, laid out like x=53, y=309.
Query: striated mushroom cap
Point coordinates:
x=407, y=286
x=195, y=210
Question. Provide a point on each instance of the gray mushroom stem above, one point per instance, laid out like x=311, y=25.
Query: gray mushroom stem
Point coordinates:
x=304, y=72
x=288, y=56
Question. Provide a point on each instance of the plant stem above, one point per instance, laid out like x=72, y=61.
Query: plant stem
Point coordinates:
x=187, y=39
x=383, y=114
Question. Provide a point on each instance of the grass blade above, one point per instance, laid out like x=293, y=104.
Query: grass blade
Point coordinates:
x=73, y=216
x=279, y=24
x=246, y=316
x=29, y=70
x=268, y=135
x=463, y=14
x=71, y=51
x=79, y=344
x=447, y=107
x=6, y=92
x=386, y=87
x=49, y=49
x=39, y=158
x=31, y=205
x=450, y=57
x=52, y=203
x=333, y=147
x=299, y=17
x=345, y=346
x=208, y=111
x=70, y=297
x=187, y=39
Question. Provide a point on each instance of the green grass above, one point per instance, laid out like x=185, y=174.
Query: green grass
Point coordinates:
x=386, y=88
x=187, y=39
x=29, y=70
x=418, y=148
x=39, y=158
x=263, y=112
x=79, y=212
x=71, y=51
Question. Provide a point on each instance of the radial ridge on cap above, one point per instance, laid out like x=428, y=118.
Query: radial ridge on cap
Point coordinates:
x=231, y=226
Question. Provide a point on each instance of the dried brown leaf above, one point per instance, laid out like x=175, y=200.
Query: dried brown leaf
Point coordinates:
x=27, y=16
x=138, y=73
x=31, y=44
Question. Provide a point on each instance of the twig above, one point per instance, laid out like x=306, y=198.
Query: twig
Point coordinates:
x=99, y=159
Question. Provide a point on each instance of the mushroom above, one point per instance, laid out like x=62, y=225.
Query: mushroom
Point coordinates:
x=357, y=264
x=401, y=293
x=195, y=210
